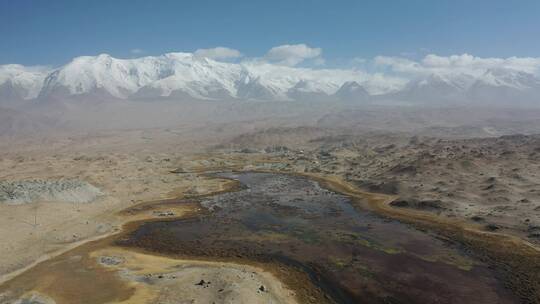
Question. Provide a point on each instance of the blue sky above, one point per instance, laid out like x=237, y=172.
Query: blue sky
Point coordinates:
x=53, y=32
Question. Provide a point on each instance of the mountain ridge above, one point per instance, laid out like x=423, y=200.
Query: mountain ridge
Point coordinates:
x=185, y=75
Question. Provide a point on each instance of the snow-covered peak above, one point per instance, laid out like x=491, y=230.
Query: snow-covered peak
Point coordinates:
x=352, y=91
x=27, y=81
x=352, y=86
x=457, y=81
x=199, y=77
x=510, y=78
x=117, y=77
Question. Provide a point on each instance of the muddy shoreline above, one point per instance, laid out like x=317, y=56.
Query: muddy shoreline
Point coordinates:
x=203, y=237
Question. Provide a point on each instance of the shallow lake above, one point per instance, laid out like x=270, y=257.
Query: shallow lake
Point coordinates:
x=352, y=255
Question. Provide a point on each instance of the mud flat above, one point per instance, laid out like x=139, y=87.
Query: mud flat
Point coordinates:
x=348, y=255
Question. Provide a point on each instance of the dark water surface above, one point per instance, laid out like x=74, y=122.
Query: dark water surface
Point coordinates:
x=354, y=256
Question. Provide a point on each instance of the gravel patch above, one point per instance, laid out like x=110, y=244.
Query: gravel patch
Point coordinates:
x=62, y=190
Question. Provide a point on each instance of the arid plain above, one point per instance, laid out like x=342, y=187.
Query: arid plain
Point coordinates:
x=469, y=184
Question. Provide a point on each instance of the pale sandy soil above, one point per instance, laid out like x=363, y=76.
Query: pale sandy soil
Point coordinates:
x=125, y=173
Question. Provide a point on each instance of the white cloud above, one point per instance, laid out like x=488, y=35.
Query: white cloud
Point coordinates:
x=218, y=53
x=398, y=64
x=136, y=51
x=465, y=63
x=293, y=54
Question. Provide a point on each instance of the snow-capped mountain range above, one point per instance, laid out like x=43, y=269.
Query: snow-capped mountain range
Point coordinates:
x=185, y=75
x=493, y=86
